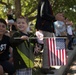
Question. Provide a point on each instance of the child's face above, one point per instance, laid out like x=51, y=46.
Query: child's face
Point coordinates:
x=21, y=24
x=2, y=28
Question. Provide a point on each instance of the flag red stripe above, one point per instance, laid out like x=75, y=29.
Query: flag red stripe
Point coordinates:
x=49, y=50
x=51, y=42
x=48, y=43
x=53, y=50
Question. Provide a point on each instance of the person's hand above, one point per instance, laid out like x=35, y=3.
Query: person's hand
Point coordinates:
x=69, y=22
x=24, y=37
x=39, y=35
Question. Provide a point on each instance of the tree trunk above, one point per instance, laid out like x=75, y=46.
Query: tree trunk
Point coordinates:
x=17, y=8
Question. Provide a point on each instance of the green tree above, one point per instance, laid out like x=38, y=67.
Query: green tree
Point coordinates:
x=29, y=8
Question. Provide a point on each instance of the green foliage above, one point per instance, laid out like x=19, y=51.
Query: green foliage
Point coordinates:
x=66, y=6
x=29, y=8
x=4, y=5
x=2, y=13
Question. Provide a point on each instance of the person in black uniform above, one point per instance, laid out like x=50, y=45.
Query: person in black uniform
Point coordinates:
x=5, y=50
x=44, y=23
x=45, y=17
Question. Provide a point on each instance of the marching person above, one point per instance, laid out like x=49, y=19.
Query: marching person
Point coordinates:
x=45, y=25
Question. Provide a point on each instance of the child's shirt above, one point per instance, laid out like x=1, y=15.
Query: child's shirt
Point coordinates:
x=59, y=27
x=4, y=48
x=69, y=30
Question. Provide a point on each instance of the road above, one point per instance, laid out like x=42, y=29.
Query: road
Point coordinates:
x=70, y=68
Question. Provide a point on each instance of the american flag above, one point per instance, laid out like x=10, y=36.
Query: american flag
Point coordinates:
x=57, y=51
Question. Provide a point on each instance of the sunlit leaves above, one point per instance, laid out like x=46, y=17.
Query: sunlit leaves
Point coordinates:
x=29, y=7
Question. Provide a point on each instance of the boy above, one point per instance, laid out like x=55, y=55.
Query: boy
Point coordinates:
x=22, y=50
x=5, y=65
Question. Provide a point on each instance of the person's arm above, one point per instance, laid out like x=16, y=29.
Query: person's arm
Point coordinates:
x=15, y=39
x=39, y=42
x=11, y=55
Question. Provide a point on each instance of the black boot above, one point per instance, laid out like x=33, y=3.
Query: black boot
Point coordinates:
x=46, y=71
x=52, y=68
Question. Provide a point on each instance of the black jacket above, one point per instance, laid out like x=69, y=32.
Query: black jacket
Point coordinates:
x=22, y=51
x=45, y=17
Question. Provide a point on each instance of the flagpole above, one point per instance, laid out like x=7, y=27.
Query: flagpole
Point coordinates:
x=37, y=38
